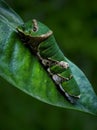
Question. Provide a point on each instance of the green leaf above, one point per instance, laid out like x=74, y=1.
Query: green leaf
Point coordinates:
x=9, y=16
x=23, y=70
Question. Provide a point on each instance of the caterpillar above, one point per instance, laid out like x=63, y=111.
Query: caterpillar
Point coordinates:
x=42, y=43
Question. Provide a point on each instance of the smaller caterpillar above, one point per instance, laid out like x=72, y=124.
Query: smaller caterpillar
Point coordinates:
x=42, y=43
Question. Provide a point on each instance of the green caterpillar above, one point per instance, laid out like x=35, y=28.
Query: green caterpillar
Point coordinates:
x=41, y=41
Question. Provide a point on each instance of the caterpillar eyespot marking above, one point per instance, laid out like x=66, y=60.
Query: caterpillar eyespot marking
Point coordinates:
x=35, y=26
x=42, y=43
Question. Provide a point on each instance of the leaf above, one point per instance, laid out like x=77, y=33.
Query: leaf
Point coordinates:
x=8, y=15
x=23, y=70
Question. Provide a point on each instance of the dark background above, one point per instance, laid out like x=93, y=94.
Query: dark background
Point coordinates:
x=74, y=23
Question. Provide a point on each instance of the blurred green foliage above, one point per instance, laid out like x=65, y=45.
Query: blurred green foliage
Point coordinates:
x=75, y=27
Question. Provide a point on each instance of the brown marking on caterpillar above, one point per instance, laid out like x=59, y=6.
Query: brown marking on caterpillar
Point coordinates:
x=35, y=25
x=42, y=36
x=63, y=64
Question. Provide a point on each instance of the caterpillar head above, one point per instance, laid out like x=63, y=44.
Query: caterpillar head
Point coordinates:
x=34, y=31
